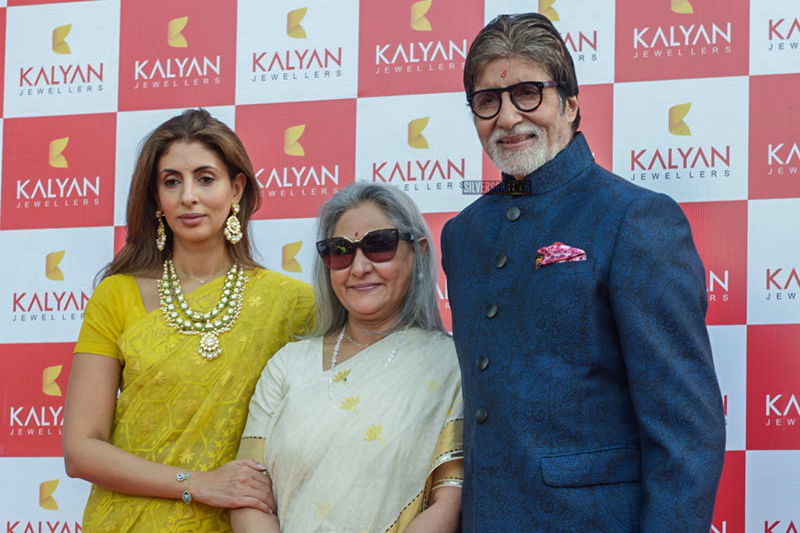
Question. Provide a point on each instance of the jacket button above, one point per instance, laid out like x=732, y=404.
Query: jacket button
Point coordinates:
x=491, y=310
x=482, y=362
x=513, y=213
x=500, y=260
x=481, y=415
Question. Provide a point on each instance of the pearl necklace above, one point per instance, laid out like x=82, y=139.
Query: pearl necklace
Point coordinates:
x=336, y=353
x=187, y=321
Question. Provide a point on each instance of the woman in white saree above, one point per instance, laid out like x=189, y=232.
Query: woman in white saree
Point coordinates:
x=360, y=427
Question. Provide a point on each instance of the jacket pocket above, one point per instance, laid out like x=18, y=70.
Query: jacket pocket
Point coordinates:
x=613, y=465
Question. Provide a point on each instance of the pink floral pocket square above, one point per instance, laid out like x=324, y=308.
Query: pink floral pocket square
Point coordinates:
x=558, y=252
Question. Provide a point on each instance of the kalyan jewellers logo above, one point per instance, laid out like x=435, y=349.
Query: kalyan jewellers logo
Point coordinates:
x=174, y=28
x=683, y=162
x=784, y=35
x=782, y=284
x=291, y=140
x=781, y=526
x=56, y=157
x=289, y=253
x=422, y=173
x=420, y=56
x=578, y=43
x=415, y=129
x=418, y=20
x=679, y=40
x=39, y=420
x=60, y=45
x=314, y=180
x=296, y=63
x=58, y=191
x=546, y=9
x=49, y=377
x=682, y=7
x=188, y=71
x=51, y=262
x=783, y=159
x=46, y=499
x=675, y=122
x=49, y=306
x=293, y=20
x=47, y=502
x=780, y=410
x=64, y=77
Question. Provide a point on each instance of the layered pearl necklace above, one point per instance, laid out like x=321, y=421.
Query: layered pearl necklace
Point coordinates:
x=187, y=321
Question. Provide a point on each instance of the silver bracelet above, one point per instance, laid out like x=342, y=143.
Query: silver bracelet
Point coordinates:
x=447, y=482
x=186, y=496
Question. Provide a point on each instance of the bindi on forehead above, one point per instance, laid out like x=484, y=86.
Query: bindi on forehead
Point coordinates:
x=503, y=74
x=355, y=234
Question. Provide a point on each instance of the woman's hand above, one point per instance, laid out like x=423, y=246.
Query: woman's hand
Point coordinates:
x=240, y=483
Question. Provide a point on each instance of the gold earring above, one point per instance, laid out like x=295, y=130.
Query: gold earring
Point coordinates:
x=233, y=229
x=161, y=234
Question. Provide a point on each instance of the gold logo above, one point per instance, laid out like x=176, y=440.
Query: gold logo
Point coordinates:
x=49, y=376
x=55, y=157
x=288, y=253
x=681, y=6
x=676, y=115
x=546, y=9
x=51, y=269
x=60, y=33
x=415, y=129
x=46, y=490
x=293, y=20
x=174, y=29
x=291, y=140
x=418, y=11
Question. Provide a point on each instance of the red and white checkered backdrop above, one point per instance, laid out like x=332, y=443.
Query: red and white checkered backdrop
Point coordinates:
x=694, y=98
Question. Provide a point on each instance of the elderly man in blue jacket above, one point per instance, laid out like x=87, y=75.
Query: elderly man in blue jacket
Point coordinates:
x=578, y=303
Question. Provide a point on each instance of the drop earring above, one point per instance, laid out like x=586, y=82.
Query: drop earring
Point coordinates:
x=161, y=234
x=233, y=229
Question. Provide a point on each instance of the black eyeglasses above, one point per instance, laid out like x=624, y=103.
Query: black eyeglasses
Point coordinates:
x=378, y=245
x=525, y=96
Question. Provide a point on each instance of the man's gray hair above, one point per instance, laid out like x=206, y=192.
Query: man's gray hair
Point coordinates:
x=421, y=307
x=529, y=36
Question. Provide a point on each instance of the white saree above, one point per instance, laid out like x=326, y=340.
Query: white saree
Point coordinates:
x=360, y=461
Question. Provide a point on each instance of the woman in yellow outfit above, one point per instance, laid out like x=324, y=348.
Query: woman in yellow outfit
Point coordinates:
x=173, y=342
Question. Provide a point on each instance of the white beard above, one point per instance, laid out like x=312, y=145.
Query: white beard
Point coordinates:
x=519, y=162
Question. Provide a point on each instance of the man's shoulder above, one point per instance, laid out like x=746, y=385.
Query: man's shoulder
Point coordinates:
x=476, y=209
x=615, y=189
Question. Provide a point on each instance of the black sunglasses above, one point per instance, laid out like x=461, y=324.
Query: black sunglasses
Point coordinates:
x=526, y=96
x=378, y=245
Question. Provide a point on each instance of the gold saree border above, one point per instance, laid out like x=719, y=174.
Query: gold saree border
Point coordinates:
x=449, y=447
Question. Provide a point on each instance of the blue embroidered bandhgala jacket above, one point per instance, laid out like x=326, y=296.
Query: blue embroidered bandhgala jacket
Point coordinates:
x=590, y=398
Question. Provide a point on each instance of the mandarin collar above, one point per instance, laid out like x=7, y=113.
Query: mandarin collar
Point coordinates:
x=565, y=166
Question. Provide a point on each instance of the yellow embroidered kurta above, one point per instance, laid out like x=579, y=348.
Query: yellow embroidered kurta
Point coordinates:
x=361, y=460
x=175, y=407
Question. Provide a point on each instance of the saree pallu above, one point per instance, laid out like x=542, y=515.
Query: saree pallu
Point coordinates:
x=177, y=408
x=358, y=460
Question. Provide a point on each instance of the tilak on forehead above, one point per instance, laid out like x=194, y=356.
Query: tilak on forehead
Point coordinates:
x=505, y=70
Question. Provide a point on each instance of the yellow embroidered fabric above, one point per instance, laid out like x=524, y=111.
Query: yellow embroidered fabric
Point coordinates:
x=362, y=459
x=175, y=407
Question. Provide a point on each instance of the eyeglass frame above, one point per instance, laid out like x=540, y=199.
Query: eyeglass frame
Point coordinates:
x=401, y=236
x=541, y=85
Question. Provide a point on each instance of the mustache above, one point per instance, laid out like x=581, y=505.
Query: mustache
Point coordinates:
x=519, y=129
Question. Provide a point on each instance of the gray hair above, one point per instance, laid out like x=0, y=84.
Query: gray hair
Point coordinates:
x=420, y=308
x=529, y=36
